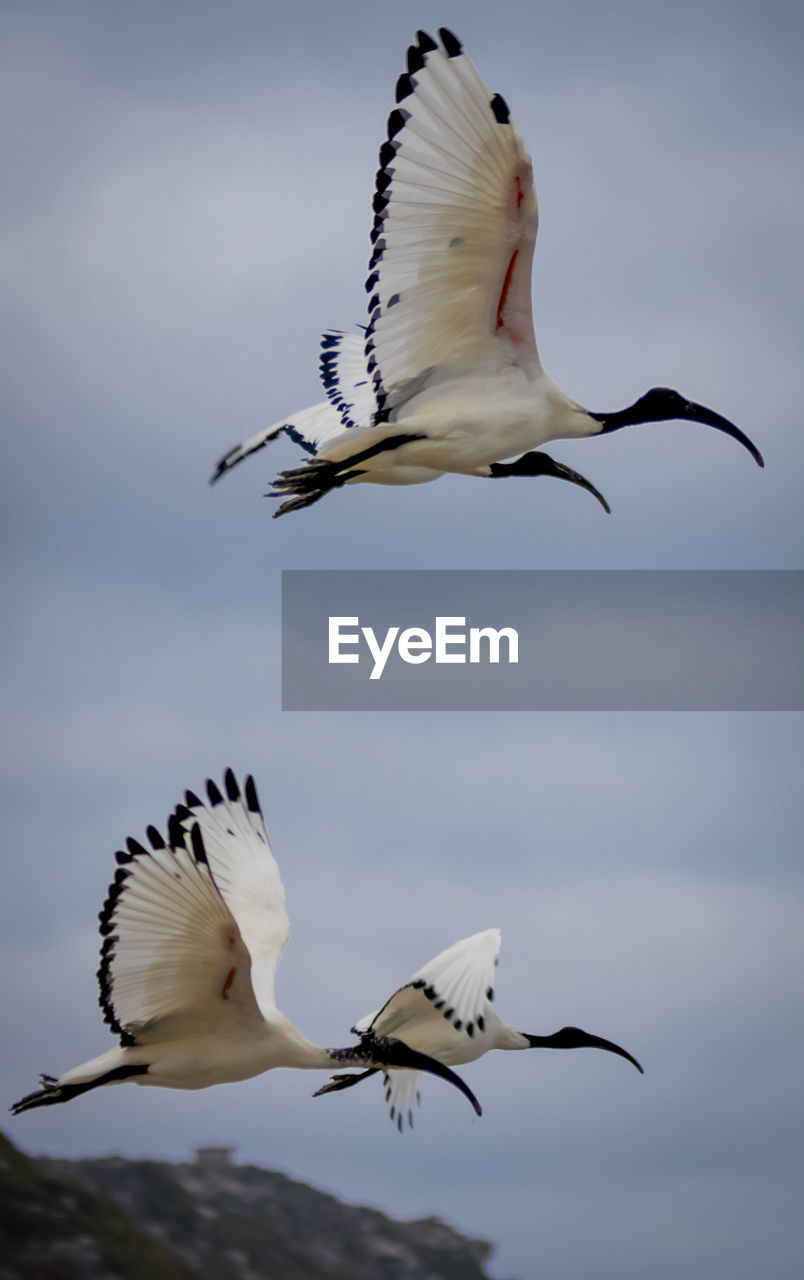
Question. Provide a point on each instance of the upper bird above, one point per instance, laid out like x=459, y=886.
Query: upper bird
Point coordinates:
x=193, y=930
x=446, y=377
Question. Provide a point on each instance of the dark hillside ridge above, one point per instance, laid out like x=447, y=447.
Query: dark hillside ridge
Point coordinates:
x=210, y=1220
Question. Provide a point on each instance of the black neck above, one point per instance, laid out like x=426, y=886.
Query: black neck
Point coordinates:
x=661, y=404
x=657, y=405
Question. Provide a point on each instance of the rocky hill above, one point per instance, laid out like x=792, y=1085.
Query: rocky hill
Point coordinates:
x=149, y=1220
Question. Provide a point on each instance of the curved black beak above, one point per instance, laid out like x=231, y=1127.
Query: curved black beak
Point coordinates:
x=561, y=472
x=541, y=464
x=395, y=1053
x=661, y=404
x=699, y=413
x=384, y=1053
x=575, y=1038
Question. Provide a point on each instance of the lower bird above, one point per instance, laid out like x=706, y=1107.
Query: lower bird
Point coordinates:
x=193, y=929
x=447, y=1012
x=446, y=376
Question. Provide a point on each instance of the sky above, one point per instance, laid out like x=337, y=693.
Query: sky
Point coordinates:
x=186, y=209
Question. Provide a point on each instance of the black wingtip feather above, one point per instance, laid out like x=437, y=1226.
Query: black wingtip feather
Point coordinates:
x=387, y=152
x=135, y=848
x=451, y=43
x=214, y=794
x=175, y=829
x=425, y=42
x=192, y=801
x=500, y=108
x=252, y=799
x=155, y=838
x=415, y=59
x=404, y=88
x=197, y=840
x=232, y=788
x=396, y=121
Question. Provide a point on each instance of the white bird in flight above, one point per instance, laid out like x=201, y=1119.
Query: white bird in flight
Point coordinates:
x=446, y=377
x=193, y=930
x=446, y=1012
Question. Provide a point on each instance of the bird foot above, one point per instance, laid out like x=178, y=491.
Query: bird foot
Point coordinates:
x=302, y=486
x=343, y=1081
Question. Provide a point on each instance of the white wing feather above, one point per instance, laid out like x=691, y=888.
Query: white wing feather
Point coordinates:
x=401, y=1092
x=454, y=229
x=309, y=428
x=173, y=961
x=346, y=379
x=351, y=403
x=443, y=1011
x=246, y=874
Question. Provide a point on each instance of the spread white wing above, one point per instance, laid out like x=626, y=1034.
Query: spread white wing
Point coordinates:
x=346, y=379
x=180, y=947
x=351, y=403
x=245, y=873
x=443, y=1011
x=454, y=228
x=309, y=428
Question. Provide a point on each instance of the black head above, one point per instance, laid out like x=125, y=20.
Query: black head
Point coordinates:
x=384, y=1053
x=541, y=464
x=575, y=1038
x=661, y=404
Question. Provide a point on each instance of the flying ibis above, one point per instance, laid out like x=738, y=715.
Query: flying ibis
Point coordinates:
x=446, y=376
x=446, y=1011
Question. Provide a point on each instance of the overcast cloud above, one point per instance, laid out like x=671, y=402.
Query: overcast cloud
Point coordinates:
x=185, y=209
